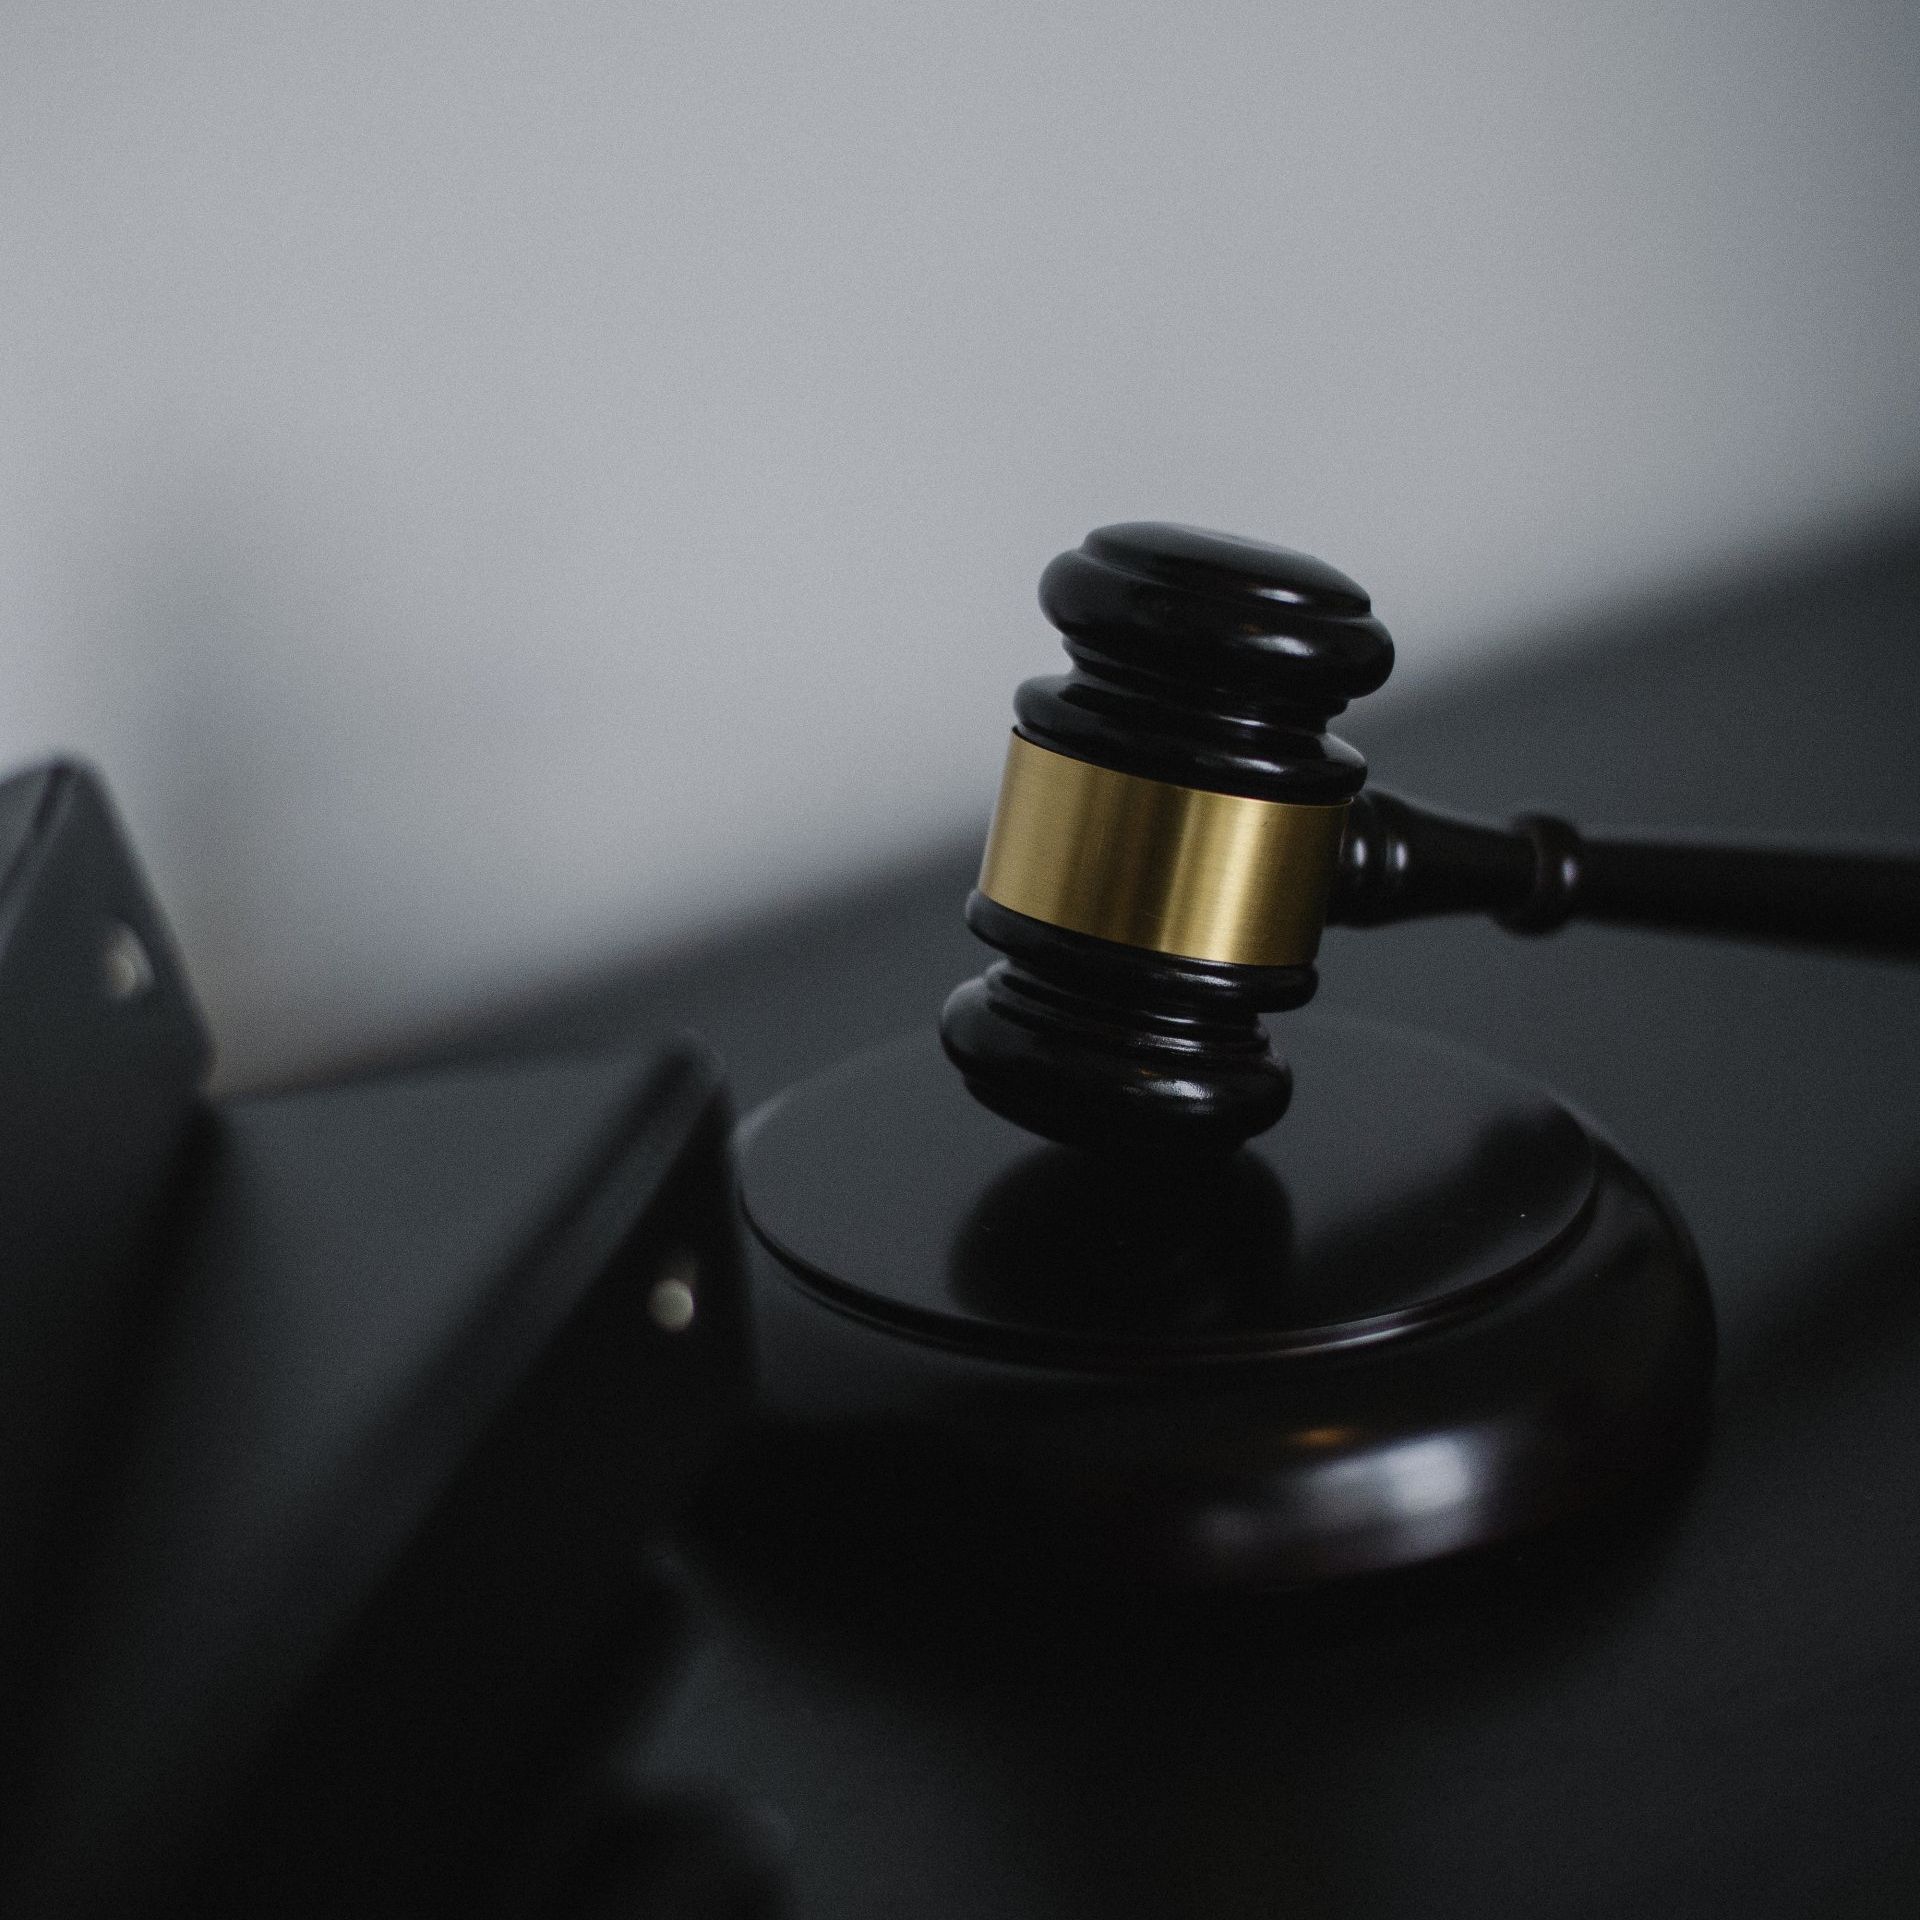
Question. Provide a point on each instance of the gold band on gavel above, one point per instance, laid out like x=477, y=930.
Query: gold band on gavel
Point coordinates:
x=1210, y=876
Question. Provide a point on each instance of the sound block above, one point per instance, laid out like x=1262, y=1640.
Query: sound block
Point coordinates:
x=1430, y=1310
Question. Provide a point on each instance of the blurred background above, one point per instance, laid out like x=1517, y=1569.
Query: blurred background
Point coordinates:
x=501, y=489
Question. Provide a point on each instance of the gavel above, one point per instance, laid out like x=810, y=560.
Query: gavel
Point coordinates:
x=1176, y=826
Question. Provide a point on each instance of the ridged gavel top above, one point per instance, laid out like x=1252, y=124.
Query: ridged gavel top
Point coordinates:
x=1206, y=661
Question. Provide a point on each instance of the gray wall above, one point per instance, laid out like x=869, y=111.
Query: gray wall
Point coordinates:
x=499, y=485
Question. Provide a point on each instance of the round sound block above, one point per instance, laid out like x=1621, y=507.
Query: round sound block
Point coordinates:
x=1428, y=1310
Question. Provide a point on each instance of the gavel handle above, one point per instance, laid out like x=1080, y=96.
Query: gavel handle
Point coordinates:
x=1403, y=862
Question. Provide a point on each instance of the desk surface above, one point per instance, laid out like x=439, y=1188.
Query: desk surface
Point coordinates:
x=1724, y=1718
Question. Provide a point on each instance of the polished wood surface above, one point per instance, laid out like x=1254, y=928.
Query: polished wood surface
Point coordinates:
x=1427, y=1311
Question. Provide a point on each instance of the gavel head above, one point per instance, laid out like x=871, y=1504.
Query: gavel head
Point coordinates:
x=1167, y=830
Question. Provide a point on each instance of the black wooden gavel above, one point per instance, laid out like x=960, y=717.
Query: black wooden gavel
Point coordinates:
x=1176, y=826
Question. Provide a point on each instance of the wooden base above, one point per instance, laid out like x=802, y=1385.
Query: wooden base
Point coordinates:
x=1428, y=1311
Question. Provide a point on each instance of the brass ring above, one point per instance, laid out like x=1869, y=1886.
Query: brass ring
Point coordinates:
x=1145, y=863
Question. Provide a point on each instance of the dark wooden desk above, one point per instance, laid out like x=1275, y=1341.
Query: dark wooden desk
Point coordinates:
x=1724, y=1718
